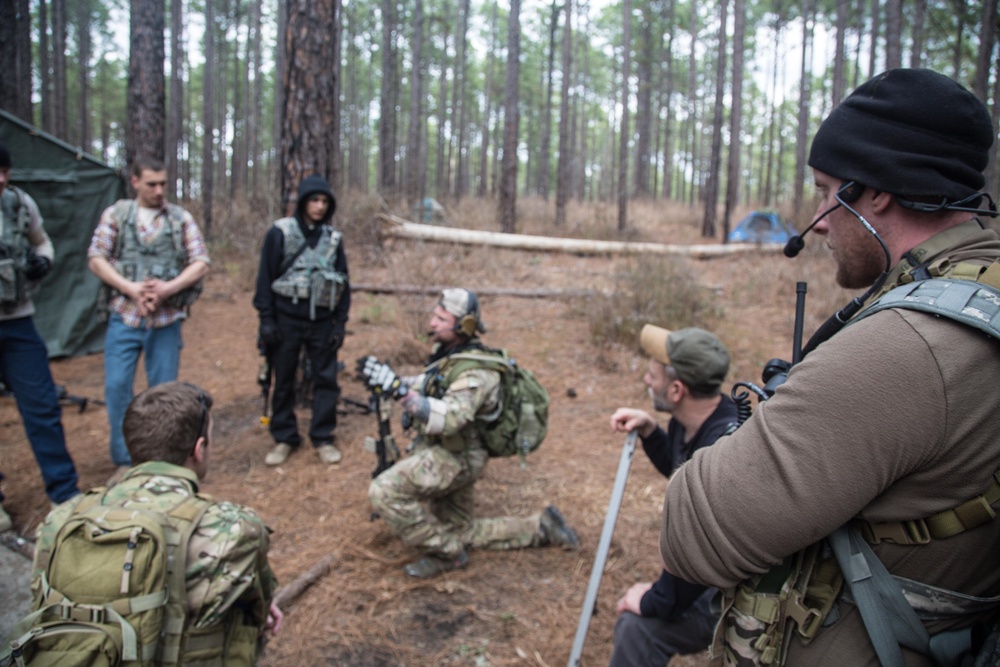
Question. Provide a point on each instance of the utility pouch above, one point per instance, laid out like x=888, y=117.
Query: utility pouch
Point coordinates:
x=9, y=282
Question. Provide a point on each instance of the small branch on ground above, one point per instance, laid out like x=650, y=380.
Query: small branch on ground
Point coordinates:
x=287, y=594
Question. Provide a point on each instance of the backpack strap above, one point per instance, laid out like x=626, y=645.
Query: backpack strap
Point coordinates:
x=970, y=302
x=975, y=303
x=174, y=633
x=888, y=617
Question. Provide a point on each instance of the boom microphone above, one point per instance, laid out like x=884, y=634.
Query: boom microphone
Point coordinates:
x=796, y=243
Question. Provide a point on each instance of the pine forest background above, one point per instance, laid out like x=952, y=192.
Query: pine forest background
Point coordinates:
x=697, y=102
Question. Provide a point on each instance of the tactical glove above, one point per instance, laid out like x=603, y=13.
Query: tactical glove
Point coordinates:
x=38, y=267
x=380, y=378
x=417, y=405
x=336, y=338
x=269, y=333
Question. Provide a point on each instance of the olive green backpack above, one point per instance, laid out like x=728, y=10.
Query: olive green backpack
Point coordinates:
x=523, y=421
x=111, y=590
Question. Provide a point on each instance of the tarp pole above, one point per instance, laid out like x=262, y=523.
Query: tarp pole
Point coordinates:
x=624, y=465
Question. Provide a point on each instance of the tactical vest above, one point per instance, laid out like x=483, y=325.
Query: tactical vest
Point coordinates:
x=438, y=377
x=150, y=627
x=14, y=248
x=164, y=258
x=309, y=273
x=762, y=615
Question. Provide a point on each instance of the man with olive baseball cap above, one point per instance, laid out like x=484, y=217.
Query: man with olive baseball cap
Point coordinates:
x=657, y=620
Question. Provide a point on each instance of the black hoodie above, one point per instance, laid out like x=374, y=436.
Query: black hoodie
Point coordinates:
x=272, y=253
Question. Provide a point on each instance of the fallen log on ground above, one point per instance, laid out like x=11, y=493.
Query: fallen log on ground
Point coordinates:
x=396, y=227
x=15, y=542
x=288, y=593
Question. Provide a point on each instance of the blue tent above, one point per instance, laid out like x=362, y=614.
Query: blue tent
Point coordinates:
x=762, y=227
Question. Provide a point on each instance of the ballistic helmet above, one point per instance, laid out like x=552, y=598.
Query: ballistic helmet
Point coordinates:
x=464, y=305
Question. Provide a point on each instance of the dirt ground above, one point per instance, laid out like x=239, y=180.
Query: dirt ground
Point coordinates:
x=506, y=608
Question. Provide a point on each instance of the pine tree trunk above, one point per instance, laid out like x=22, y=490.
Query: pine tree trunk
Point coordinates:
x=715, y=158
x=145, y=97
x=175, y=113
x=735, y=117
x=987, y=42
x=59, y=105
x=208, y=120
x=484, y=151
x=82, y=134
x=508, y=179
x=563, y=166
x=389, y=97
x=45, y=65
x=624, y=135
x=462, y=170
x=13, y=92
x=644, y=102
x=307, y=145
x=802, y=124
x=414, y=149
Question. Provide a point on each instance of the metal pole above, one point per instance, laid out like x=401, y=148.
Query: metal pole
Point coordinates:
x=624, y=465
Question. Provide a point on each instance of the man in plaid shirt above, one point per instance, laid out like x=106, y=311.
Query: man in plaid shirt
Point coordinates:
x=152, y=257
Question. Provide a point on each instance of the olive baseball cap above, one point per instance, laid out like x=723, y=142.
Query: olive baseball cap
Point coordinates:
x=698, y=356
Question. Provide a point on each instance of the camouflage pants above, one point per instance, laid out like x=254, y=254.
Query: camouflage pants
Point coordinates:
x=428, y=500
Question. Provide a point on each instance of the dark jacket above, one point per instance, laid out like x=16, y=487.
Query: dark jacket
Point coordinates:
x=267, y=303
x=671, y=596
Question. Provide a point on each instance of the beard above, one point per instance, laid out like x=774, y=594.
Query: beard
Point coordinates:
x=660, y=403
x=860, y=261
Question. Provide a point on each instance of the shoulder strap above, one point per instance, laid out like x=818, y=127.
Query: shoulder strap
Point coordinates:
x=969, y=302
x=888, y=617
x=175, y=216
x=123, y=213
x=289, y=230
x=479, y=360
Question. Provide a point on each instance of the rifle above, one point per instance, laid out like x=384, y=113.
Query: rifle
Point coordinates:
x=264, y=380
x=385, y=445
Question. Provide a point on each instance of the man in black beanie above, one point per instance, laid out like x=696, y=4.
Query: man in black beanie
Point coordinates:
x=886, y=427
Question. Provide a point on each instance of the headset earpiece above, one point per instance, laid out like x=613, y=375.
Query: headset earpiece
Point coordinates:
x=467, y=325
x=850, y=192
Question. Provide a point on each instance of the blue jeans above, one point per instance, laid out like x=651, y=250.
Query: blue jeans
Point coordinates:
x=161, y=350
x=24, y=364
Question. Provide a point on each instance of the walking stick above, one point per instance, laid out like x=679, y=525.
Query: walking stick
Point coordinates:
x=624, y=465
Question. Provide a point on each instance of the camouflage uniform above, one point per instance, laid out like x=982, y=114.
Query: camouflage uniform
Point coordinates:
x=227, y=570
x=427, y=499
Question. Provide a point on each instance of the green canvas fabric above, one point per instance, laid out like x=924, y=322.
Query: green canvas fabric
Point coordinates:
x=71, y=189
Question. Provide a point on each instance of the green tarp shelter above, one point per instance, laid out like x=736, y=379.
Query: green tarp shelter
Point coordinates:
x=72, y=189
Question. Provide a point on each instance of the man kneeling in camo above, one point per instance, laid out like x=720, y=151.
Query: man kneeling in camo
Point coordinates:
x=427, y=499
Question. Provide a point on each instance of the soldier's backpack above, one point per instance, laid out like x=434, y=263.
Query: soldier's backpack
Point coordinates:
x=523, y=420
x=112, y=591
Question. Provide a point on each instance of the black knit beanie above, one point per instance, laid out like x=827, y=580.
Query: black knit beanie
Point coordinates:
x=4, y=157
x=910, y=132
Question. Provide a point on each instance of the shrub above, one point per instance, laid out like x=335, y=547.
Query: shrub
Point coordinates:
x=662, y=290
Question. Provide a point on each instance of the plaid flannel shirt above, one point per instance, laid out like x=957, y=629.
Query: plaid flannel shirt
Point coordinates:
x=103, y=243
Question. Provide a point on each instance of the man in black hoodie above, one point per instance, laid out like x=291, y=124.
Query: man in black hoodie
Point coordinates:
x=303, y=296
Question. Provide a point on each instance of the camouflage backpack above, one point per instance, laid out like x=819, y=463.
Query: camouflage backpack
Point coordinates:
x=112, y=588
x=523, y=420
